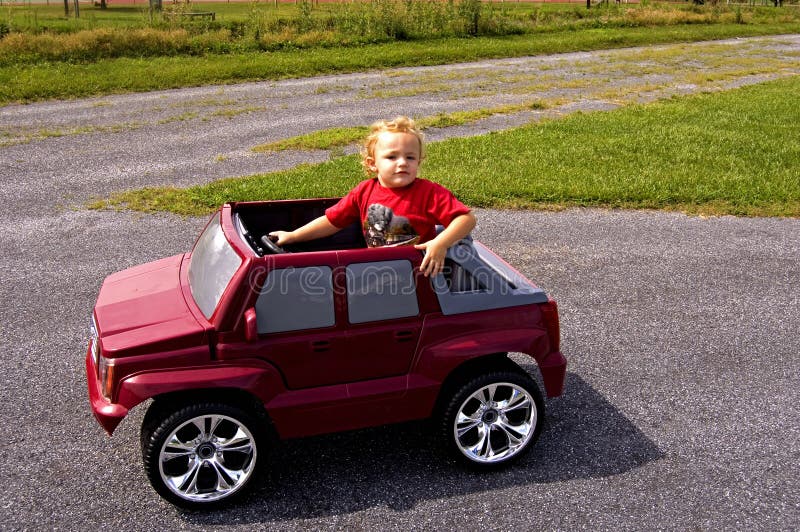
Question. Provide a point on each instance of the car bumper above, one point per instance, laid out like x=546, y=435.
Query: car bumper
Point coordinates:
x=554, y=373
x=107, y=414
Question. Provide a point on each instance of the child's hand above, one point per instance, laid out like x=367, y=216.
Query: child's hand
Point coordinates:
x=436, y=249
x=280, y=238
x=433, y=262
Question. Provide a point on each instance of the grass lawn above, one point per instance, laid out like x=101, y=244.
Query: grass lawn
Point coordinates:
x=45, y=56
x=735, y=152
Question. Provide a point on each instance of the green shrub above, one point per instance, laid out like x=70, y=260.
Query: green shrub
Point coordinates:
x=470, y=13
x=263, y=27
x=304, y=21
x=91, y=45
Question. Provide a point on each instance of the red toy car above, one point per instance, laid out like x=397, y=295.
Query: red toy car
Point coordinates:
x=240, y=341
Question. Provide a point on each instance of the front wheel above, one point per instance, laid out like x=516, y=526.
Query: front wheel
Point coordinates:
x=492, y=419
x=202, y=454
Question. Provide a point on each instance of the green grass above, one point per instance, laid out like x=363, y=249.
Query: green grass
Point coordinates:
x=51, y=57
x=326, y=139
x=26, y=83
x=735, y=152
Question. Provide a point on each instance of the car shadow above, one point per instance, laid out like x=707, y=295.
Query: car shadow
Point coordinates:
x=398, y=466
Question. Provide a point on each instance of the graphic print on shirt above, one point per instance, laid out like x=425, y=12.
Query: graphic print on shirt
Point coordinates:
x=384, y=228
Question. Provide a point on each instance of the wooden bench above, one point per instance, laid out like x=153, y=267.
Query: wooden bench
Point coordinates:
x=199, y=14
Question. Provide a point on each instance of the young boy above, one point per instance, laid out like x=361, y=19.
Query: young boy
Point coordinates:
x=395, y=207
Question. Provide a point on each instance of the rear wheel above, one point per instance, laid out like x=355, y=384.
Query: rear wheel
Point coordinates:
x=493, y=419
x=204, y=454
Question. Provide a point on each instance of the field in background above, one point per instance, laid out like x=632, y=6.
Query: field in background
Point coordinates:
x=728, y=153
x=44, y=54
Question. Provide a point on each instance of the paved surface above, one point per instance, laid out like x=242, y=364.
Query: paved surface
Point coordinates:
x=681, y=408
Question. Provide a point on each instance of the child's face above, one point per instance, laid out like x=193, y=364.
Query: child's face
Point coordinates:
x=396, y=159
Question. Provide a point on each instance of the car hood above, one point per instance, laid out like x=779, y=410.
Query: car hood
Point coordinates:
x=142, y=310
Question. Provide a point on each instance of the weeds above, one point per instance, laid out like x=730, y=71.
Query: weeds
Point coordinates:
x=319, y=140
x=101, y=43
x=26, y=39
x=23, y=137
x=336, y=138
x=46, y=56
x=230, y=113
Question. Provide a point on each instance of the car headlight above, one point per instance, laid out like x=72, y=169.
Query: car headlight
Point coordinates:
x=105, y=367
x=105, y=372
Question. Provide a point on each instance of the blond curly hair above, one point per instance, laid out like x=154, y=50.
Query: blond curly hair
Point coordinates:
x=399, y=124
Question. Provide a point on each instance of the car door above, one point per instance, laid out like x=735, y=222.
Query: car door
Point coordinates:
x=297, y=326
x=382, y=315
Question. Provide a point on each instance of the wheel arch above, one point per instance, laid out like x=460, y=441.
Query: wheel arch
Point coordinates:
x=468, y=369
x=228, y=395
x=165, y=403
x=259, y=380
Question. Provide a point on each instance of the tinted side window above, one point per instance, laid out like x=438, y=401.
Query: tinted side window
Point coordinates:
x=296, y=298
x=459, y=280
x=381, y=291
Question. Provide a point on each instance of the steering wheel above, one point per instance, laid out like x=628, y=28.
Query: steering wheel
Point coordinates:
x=270, y=246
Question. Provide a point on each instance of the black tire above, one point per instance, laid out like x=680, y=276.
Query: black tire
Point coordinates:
x=202, y=455
x=483, y=427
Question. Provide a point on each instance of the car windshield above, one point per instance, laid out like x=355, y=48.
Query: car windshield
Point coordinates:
x=212, y=266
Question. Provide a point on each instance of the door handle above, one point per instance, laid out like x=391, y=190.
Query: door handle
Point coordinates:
x=320, y=345
x=404, y=336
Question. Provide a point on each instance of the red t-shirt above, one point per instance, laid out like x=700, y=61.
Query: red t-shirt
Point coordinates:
x=397, y=216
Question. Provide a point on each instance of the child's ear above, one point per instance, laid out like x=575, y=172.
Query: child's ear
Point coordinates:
x=370, y=162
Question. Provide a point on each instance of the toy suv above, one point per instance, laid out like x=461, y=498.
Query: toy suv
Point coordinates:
x=240, y=341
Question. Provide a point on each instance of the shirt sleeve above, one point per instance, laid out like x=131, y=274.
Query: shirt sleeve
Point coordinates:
x=445, y=206
x=345, y=211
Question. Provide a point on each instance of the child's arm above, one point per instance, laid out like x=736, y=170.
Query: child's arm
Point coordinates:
x=436, y=249
x=317, y=228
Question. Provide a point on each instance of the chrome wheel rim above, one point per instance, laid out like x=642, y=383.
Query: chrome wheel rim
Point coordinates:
x=207, y=458
x=495, y=423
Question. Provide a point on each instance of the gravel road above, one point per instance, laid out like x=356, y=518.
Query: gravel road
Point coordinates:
x=681, y=407
x=68, y=151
